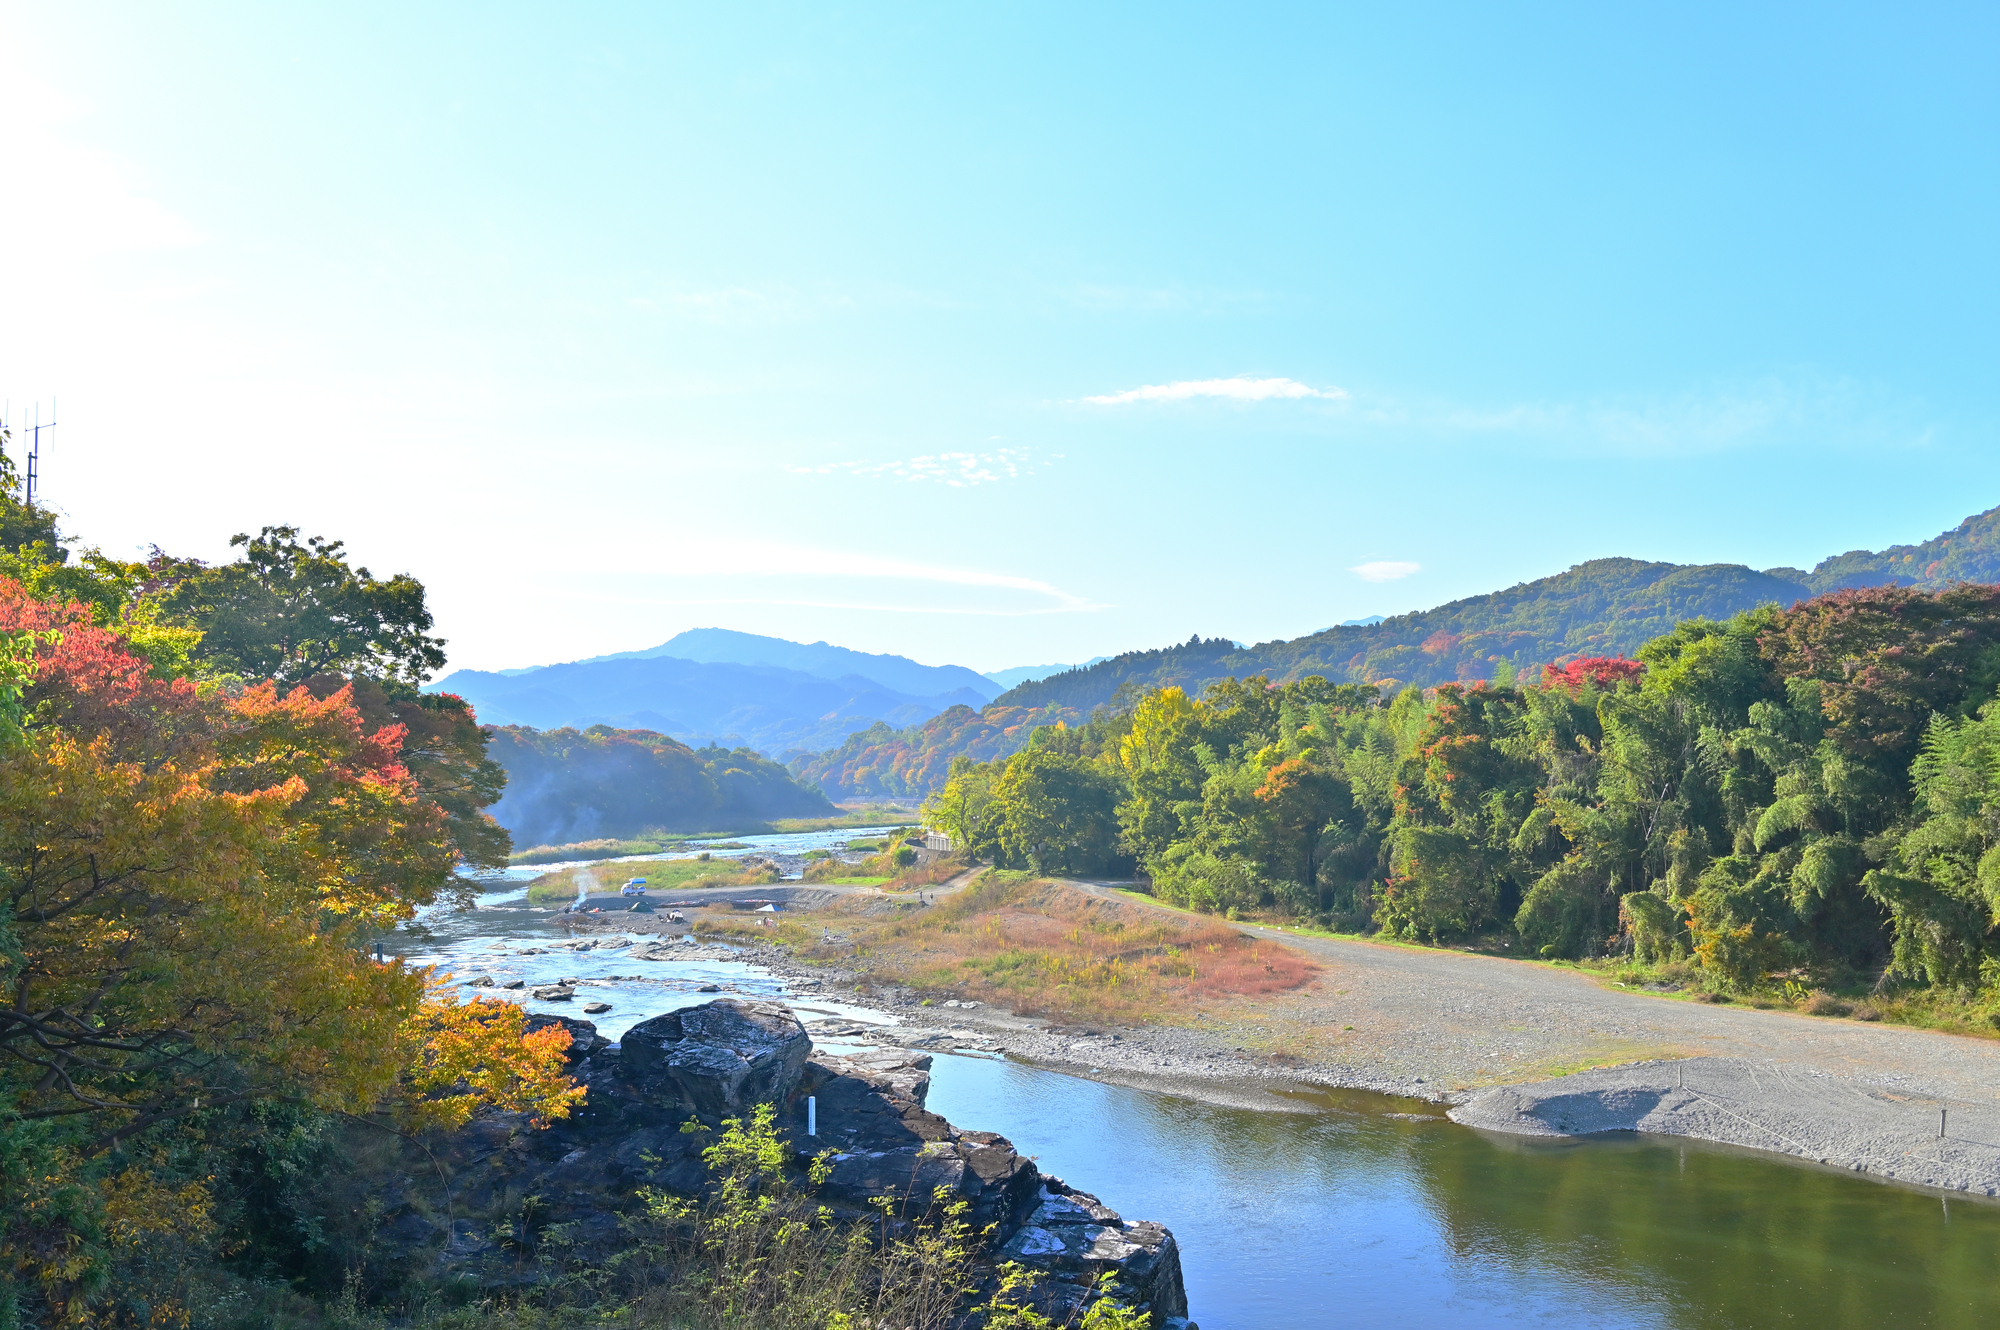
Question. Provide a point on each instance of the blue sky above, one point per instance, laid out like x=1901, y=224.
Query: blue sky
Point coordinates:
x=1004, y=336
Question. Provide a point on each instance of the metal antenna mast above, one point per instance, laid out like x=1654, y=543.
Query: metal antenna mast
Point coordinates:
x=35, y=447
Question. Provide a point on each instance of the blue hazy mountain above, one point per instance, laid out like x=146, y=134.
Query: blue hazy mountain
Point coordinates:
x=1020, y=674
x=766, y=707
x=897, y=673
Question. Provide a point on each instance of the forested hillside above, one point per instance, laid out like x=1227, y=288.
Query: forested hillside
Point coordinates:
x=565, y=785
x=1807, y=794
x=1606, y=607
x=884, y=762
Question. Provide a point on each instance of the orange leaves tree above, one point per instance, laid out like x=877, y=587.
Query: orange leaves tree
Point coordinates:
x=189, y=876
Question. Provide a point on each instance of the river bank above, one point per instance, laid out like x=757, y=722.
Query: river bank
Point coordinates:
x=1412, y=1217
x=1511, y=1047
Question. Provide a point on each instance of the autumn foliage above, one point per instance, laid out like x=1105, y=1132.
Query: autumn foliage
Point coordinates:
x=1586, y=671
x=188, y=877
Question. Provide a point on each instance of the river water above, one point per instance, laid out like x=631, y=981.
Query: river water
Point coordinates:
x=1339, y=1214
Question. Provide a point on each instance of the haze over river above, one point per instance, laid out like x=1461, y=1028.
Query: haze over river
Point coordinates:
x=1340, y=1214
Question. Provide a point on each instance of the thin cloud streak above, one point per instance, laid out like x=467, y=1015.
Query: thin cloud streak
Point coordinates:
x=1385, y=570
x=1239, y=389
x=956, y=470
x=1727, y=418
x=858, y=605
x=717, y=559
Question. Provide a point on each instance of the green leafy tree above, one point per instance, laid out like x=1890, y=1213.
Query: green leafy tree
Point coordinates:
x=1056, y=813
x=963, y=809
x=1941, y=885
x=288, y=611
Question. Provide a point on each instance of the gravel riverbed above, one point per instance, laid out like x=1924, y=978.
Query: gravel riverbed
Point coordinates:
x=1500, y=1042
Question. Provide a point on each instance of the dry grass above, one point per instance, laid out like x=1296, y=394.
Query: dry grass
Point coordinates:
x=663, y=877
x=935, y=873
x=1043, y=949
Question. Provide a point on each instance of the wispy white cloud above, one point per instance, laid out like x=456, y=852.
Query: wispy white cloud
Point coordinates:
x=958, y=470
x=738, y=572
x=1710, y=419
x=1384, y=570
x=1239, y=389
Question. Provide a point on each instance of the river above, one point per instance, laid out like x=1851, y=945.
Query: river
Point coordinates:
x=1339, y=1214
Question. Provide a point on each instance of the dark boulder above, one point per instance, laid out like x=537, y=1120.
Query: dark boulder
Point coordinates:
x=720, y=1059
x=583, y=1036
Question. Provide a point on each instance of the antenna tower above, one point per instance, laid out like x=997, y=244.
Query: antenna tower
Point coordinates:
x=35, y=448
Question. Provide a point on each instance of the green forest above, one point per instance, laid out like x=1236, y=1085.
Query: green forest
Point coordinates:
x=567, y=785
x=1808, y=794
x=1606, y=607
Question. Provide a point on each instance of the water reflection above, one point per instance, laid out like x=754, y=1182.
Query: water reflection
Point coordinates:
x=1337, y=1215
x=1342, y=1216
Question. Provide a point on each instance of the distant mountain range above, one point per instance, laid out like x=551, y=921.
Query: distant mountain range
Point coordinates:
x=717, y=686
x=1605, y=607
x=897, y=673
x=1601, y=608
x=765, y=707
x=856, y=723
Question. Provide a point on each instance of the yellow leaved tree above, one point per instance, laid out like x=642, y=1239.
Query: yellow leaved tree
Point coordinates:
x=189, y=876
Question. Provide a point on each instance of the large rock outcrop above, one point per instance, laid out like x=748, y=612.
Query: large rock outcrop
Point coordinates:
x=721, y=1060
x=871, y=1110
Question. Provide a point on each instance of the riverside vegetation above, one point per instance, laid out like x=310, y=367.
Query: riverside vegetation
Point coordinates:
x=218, y=787
x=1797, y=805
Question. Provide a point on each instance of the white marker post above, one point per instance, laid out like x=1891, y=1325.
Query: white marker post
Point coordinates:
x=812, y=1116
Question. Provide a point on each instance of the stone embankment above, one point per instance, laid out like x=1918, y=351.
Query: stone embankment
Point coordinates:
x=721, y=1060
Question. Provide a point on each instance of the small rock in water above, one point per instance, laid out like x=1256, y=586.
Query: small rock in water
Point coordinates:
x=515, y=983
x=709, y=988
x=553, y=993
x=592, y=1008
x=483, y=981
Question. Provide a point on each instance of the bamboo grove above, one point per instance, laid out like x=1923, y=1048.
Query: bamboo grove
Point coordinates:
x=1809, y=789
